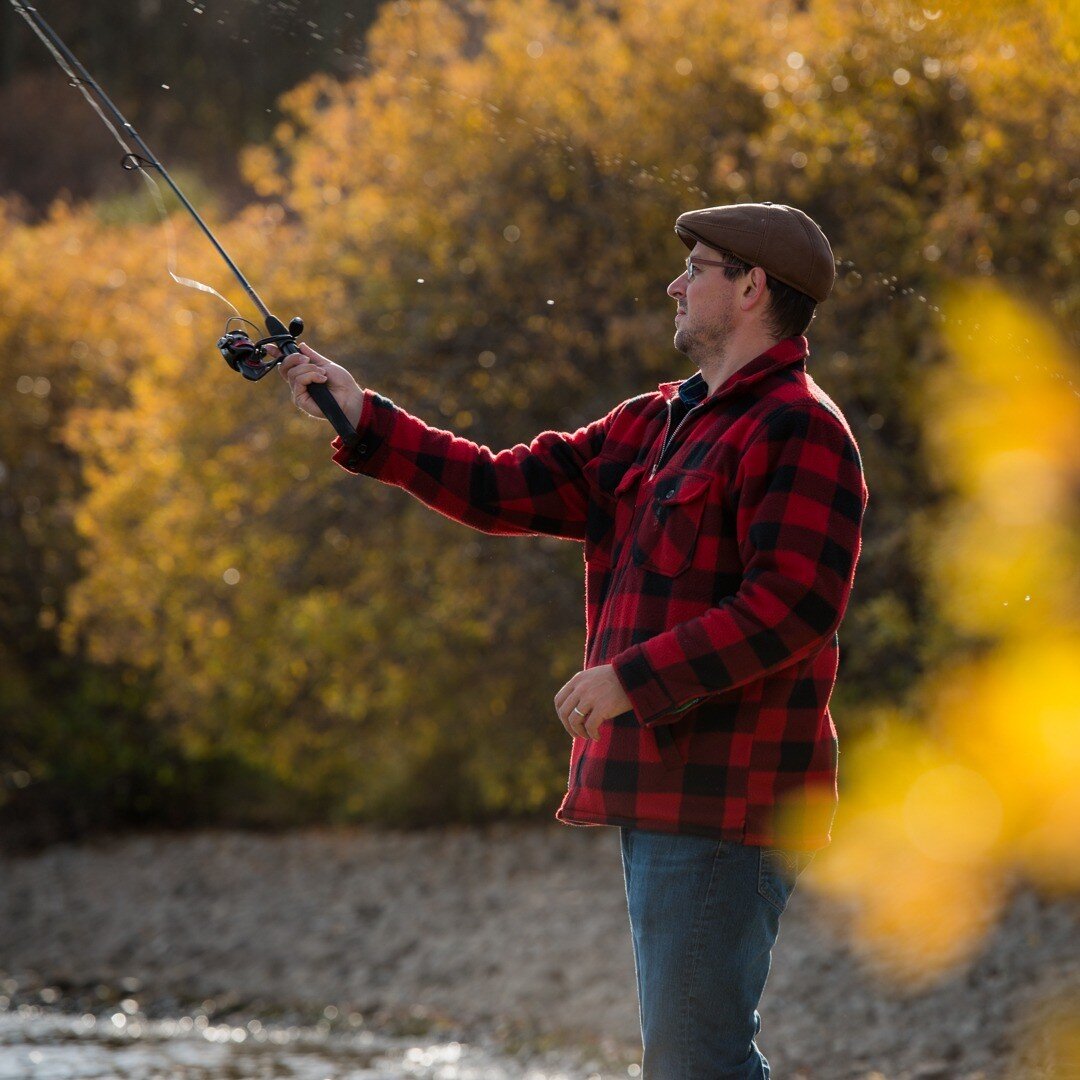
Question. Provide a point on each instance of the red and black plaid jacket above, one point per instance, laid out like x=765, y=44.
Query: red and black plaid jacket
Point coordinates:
x=718, y=565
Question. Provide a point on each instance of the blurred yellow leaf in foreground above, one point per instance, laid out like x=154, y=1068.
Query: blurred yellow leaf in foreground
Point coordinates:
x=939, y=818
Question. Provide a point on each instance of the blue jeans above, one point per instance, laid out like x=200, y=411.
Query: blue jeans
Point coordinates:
x=704, y=915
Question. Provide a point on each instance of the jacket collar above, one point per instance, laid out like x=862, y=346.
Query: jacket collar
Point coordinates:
x=790, y=352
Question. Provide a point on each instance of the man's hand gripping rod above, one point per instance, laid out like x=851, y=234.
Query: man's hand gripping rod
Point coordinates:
x=240, y=352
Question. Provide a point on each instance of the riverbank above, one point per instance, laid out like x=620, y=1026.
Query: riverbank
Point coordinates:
x=518, y=932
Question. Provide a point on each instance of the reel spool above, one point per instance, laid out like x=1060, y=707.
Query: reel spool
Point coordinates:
x=248, y=356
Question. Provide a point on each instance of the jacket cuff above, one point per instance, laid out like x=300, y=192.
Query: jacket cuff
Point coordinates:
x=372, y=436
x=648, y=698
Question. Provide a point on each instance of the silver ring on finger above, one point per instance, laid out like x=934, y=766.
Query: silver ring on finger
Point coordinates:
x=579, y=712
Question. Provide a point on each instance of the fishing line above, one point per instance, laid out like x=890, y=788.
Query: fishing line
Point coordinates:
x=171, y=243
x=131, y=162
x=652, y=173
x=250, y=358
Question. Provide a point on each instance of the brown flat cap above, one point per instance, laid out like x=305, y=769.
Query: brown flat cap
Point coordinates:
x=783, y=241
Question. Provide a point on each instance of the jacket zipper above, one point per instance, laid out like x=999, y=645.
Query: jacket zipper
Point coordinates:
x=740, y=384
x=665, y=445
x=617, y=577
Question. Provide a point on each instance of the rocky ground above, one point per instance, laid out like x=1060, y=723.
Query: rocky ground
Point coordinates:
x=518, y=931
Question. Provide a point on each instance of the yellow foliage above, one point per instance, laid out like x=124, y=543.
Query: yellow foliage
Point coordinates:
x=479, y=224
x=940, y=819
x=1008, y=427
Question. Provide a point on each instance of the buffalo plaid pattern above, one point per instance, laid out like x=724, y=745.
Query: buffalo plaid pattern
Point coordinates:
x=720, y=552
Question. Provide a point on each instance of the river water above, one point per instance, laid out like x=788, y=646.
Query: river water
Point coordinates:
x=41, y=1044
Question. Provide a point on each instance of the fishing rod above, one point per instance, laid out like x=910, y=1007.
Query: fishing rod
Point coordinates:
x=250, y=358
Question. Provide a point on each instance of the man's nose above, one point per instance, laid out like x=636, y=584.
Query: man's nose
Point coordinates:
x=677, y=289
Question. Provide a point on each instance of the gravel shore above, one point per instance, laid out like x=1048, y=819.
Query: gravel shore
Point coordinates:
x=515, y=930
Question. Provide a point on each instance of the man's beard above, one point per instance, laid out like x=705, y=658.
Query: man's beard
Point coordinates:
x=686, y=342
x=701, y=345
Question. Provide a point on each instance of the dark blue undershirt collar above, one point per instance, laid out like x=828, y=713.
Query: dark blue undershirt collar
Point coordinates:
x=694, y=390
x=691, y=392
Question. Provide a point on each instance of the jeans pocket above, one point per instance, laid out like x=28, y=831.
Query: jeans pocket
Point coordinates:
x=778, y=870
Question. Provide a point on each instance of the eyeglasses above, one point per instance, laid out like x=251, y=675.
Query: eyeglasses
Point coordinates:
x=694, y=261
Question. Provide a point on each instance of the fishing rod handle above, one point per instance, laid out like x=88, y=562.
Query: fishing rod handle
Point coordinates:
x=320, y=392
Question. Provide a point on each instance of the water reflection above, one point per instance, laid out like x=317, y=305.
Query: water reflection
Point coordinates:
x=37, y=1044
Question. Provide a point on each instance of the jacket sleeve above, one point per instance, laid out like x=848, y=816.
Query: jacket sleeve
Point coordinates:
x=526, y=490
x=800, y=498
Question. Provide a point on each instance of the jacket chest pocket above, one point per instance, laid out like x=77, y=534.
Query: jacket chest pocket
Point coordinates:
x=671, y=522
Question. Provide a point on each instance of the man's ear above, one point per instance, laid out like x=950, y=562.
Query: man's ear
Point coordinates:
x=756, y=287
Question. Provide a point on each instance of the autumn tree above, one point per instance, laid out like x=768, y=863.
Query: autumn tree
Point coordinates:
x=479, y=225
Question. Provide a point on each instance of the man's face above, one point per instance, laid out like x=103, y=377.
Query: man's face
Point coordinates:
x=706, y=311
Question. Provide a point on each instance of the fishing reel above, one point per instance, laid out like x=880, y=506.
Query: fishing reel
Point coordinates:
x=248, y=356
x=236, y=345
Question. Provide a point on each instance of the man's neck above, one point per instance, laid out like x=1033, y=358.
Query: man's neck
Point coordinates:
x=717, y=369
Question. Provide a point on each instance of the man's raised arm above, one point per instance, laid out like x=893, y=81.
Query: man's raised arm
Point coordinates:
x=525, y=490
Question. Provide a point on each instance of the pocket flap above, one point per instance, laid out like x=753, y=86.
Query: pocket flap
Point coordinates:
x=611, y=476
x=683, y=487
x=630, y=478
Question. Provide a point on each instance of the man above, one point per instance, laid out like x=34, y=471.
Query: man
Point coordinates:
x=721, y=521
